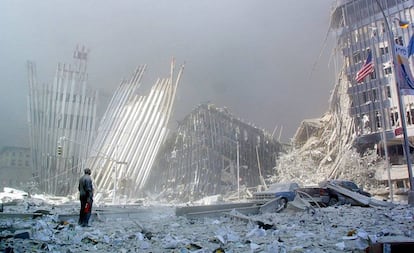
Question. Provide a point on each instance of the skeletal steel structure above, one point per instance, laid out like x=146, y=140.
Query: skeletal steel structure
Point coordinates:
x=130, y=134
x=62, y=117
x=213, y=152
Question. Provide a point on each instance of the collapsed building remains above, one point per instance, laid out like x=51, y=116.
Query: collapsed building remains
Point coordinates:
x=130, y=134
x=213, y=152
x=120, y=152
x=62, y=117
x=376, y=32
x=323, y=148
x=363, y=118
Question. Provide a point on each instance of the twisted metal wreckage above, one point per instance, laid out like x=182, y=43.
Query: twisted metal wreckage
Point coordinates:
x=59, y=111
x=63, y=135
x=131, y=132
x=213, y=151
x=132, y=153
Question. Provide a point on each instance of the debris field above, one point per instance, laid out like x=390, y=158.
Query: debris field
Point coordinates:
x=150, y=227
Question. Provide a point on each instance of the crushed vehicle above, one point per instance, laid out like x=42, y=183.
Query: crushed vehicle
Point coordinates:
x=325, y=194
x=285, y=191
x=316, y=195
x=347, y=185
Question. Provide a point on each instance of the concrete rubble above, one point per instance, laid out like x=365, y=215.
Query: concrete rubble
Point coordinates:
x=323, y=149
x=150, y=227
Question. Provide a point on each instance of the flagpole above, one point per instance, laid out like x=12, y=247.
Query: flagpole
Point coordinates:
x=406, y=146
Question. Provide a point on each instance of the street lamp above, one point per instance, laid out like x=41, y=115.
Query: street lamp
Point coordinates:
x=401, y=109
x=116, y=180
x=237, y=159
x=238, y=169
x=100, y=155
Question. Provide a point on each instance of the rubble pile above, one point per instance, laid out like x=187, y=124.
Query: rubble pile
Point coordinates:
x=155, y=228
x=322, y=149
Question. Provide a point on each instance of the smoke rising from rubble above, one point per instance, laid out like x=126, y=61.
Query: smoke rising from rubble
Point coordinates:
x=255, y=58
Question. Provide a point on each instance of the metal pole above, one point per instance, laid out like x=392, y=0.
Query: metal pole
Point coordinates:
x=387, y=162
x=401, y=109
x=115, y=184
x=238, y=170
x=115, y=175
x=384, y=141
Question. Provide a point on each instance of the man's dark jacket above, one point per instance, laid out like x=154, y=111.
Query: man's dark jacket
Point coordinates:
x=85, y=187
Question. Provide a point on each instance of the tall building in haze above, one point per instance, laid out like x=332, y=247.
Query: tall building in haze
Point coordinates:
x=364, y=38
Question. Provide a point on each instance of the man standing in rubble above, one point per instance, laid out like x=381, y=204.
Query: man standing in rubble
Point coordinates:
x=86, y=198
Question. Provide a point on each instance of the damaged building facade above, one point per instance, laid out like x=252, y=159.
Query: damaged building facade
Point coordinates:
x=15, y=167
x=213, y=152
x=362, y=32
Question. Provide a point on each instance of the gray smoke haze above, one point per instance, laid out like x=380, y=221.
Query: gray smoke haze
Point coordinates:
x=254, y=57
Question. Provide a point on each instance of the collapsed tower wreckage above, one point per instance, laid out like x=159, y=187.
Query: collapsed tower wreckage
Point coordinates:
x=62, y=118
x=130, y=134
x=64, y=138
x=364, y=114
x=324, y=148
x=364, y=143
x=213, y=152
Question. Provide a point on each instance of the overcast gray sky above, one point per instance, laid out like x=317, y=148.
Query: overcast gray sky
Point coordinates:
x=254, y=57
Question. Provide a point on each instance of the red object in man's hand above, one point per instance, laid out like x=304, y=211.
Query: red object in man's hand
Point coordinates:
x=87, y=207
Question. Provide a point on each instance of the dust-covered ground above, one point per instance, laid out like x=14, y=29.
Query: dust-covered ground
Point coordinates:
x=151, y=227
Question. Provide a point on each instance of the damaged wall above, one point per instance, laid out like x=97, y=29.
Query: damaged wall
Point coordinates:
x=201, y=159
x=323, y=148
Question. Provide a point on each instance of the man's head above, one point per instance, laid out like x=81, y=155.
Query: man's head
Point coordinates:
x=87, y=171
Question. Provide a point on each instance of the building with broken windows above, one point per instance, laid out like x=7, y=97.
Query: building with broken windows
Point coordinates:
x=62, y=117
x=364, y=37
x=213, y=152
x=15, y=166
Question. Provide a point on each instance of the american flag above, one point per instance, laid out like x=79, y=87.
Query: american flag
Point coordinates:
x=366, y=69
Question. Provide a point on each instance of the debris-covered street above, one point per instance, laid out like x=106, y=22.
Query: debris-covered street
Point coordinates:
x=150, y=227
x=226, y=156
